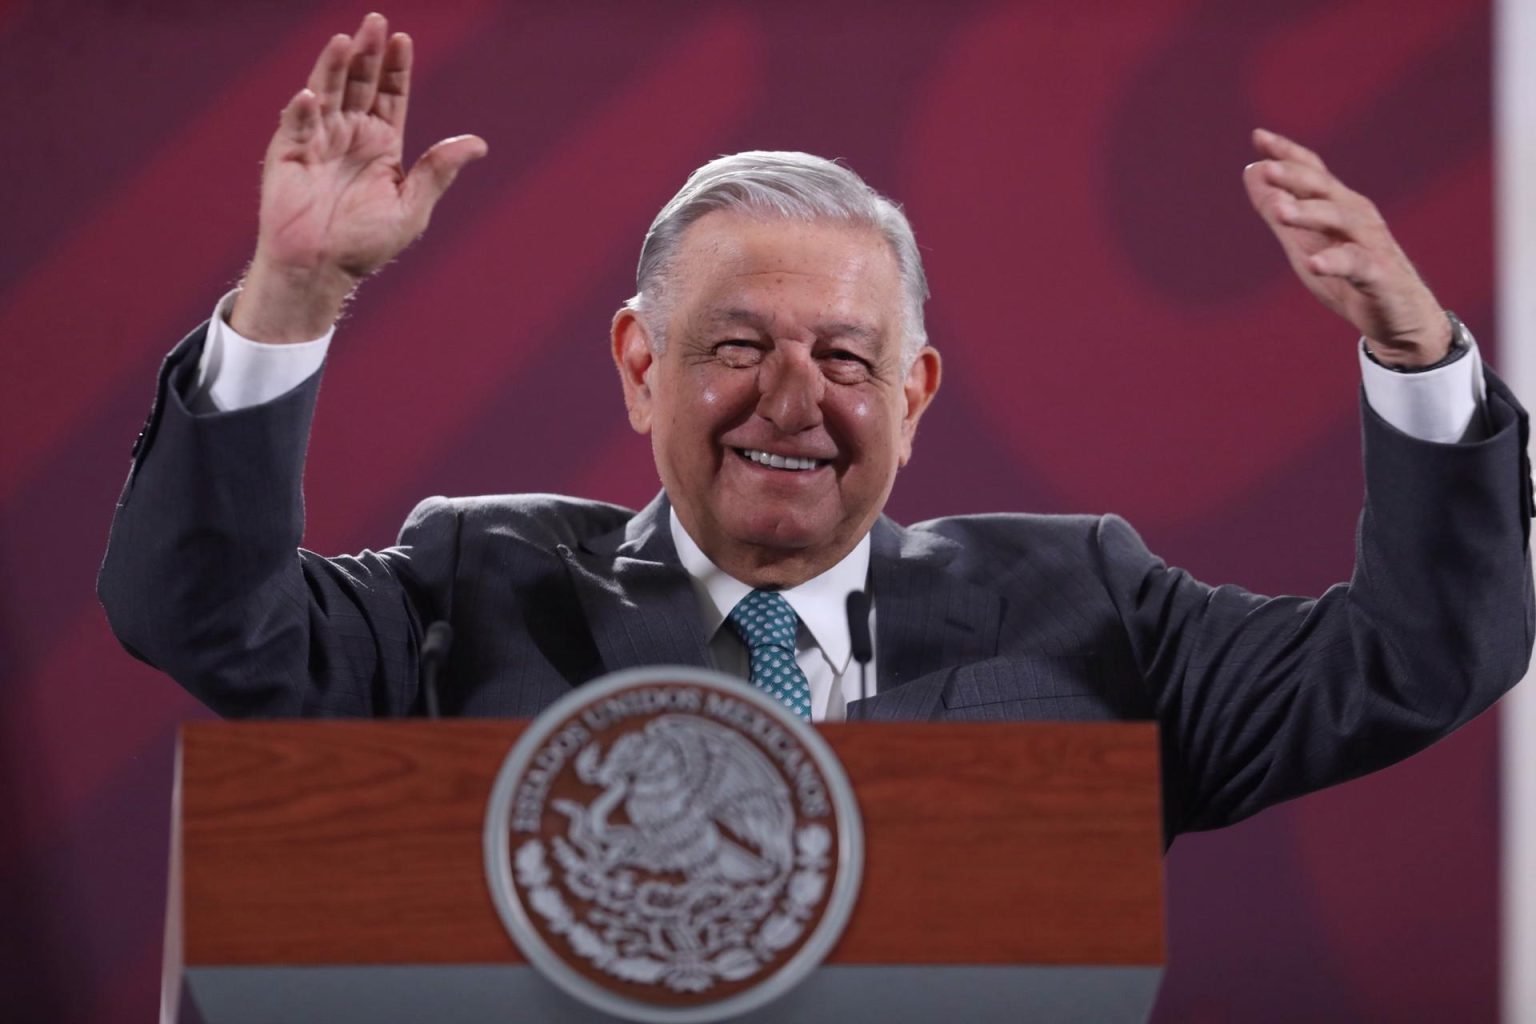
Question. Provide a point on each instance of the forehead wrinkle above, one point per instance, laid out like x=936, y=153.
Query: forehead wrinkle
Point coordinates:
x=734, y=316
x=852, y=329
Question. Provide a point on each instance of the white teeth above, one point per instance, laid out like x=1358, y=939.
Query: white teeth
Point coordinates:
x=778, y=461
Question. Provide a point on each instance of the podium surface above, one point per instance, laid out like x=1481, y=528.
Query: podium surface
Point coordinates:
x=334, y=871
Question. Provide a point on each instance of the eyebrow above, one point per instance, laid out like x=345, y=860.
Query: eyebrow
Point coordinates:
x=832, y=329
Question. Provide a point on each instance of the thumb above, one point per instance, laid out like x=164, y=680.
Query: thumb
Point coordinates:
x=301, y=117
x=435, y=171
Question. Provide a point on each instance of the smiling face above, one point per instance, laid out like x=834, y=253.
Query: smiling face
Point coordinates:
x=778, y=409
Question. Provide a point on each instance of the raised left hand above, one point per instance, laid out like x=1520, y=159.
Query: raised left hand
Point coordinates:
x=1340, y=247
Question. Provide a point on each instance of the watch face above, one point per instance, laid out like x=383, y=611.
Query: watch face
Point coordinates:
x=1461, y=338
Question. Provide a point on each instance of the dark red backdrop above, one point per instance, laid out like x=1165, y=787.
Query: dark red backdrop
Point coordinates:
x=1121, y=334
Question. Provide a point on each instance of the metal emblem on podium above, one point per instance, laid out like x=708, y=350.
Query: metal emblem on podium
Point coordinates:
x=670, y=845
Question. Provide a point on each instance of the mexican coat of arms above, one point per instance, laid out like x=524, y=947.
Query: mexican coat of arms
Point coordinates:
x=669, y=845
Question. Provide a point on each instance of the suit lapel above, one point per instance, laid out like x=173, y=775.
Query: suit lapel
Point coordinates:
x=928, y=620
x=640, y=604
x=637, y=597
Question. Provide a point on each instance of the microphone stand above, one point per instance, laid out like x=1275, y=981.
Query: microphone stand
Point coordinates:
x=434, y=654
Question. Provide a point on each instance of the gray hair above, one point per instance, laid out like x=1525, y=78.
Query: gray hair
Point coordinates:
x=795, y=186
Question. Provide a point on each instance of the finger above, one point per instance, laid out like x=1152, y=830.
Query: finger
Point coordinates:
x=1265, y=196
x=1350, y=261
x=1260, y=192
x=330, y=72
x=367, y=59
x=301, y=117
x=395, y=81
x=1323, y=215
x=1300, y=180
x=435, y=171
x=1278, y=147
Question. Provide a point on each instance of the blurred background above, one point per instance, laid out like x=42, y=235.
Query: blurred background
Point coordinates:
x=1120, y=333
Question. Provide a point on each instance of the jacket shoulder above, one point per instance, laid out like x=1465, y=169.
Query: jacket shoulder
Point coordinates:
x=1004, y=532
x=998, y=547
x=541, y=520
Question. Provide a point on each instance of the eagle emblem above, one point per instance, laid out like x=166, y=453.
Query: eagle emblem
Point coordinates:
x=673, y=844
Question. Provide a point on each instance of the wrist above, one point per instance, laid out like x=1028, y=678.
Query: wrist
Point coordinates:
x=281, y=306
x=1459, y=344
x=1434, y=345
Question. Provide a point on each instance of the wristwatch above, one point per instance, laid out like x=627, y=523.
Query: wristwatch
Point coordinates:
x=1461, y=343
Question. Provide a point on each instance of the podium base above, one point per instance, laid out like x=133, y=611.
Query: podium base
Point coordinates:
x=833, y=995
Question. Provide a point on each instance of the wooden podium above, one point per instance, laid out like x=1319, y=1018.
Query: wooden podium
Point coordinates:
x=333, y=872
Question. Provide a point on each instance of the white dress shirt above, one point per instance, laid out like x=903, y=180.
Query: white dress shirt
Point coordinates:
x=236, y=373
x=823, y=646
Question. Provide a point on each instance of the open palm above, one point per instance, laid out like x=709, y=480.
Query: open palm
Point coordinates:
x=336, y=201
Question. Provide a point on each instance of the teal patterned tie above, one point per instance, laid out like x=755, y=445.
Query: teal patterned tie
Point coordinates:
x=766, y=624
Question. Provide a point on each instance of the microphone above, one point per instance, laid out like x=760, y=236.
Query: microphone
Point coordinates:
x=434, y=654
x=858, y=636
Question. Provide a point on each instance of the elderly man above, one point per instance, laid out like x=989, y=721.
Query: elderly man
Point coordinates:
x=776, y=356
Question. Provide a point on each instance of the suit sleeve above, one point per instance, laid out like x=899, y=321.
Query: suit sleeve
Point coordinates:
x=1263, y=699
x=204, y=577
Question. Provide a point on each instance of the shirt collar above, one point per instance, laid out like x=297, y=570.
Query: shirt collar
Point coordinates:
x=820, y=602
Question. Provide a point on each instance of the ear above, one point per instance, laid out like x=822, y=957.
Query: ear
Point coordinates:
x=634, y=357
x=921, y=384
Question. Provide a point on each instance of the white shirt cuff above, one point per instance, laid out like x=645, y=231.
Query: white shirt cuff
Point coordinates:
x=1435, y=405
x=237, y=373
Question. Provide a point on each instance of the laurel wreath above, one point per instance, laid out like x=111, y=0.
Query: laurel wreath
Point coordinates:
x=696, y=965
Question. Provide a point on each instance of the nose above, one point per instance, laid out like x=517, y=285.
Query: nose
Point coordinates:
x=790, y=388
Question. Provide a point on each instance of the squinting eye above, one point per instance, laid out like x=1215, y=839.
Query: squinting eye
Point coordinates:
x=844, y=358
x=844, y=367
x=738, y=353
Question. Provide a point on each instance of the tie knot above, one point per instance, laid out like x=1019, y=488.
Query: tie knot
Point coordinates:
x=764, y=618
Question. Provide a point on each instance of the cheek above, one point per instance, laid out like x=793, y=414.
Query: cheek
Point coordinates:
x=867, y=424
x=858, y=410
x=712, y=398
x=701, y=406
x=721, y=399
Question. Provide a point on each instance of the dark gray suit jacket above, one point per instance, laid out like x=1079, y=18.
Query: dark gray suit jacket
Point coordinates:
x=978, y=617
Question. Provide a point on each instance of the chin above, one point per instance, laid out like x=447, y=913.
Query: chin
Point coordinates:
x=780, y=533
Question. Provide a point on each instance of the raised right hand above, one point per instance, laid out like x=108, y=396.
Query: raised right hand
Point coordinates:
x=336, y=203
